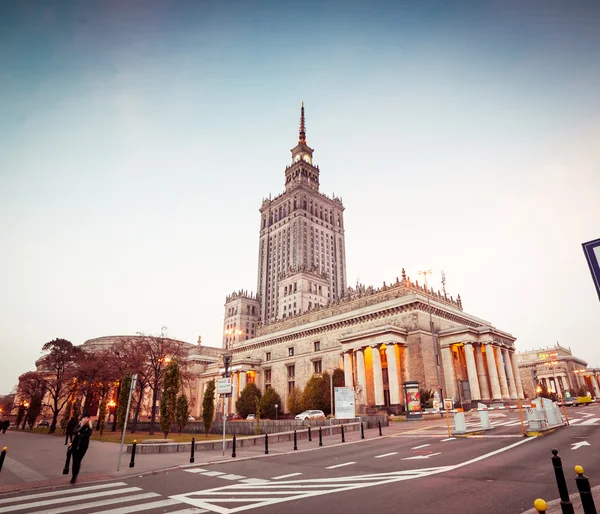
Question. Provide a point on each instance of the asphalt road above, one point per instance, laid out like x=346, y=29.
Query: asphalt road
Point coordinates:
x=416, y=471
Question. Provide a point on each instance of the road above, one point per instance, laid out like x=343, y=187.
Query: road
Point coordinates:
x=416, y=470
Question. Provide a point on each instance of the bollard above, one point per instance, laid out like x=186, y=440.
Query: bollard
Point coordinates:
x=362, y=430
x=565, y=504
x=295, y=441
x=69, y=451
x=309, y=434
x=540, y=505
x=233, y=455
x=132, y=461
x=343, y=438
x=320, y=437
x=266, y=444
x=585, y=491
x=3, y=456
x=379, y=423
x=193, y=450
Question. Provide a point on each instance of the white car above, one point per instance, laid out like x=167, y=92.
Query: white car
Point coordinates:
x=311, y=414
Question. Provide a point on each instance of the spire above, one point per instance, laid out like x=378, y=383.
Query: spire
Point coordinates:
x=302, y=138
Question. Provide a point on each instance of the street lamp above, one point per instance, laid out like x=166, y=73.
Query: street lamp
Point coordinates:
x=25, y=405
x=276, y=406
x=433, y=341
x=232, y=332
x=111, y=410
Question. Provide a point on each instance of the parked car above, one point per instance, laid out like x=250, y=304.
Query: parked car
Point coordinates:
x=568, y=402
x=311, y=414
x=236, y=417
x=251, y=416
x=43, y=423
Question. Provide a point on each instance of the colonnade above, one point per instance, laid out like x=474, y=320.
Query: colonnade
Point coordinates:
x=495, y=378
x=356, y=371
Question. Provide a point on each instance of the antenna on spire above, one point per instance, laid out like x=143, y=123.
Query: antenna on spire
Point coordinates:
x=444, y=282
x=302, y=138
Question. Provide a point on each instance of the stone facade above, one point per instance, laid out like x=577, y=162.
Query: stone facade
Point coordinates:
x=559, y=371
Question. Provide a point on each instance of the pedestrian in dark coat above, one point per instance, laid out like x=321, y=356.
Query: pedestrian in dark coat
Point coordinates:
x=80, y=445
x=5, y=426
x=71, y=426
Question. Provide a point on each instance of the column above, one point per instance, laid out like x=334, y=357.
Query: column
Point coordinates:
x=348, y=370
x=492, y=372
x=242, y=380
x=501, y=373
x=377, y=376
x=361, y=374
x=481, y=374
x=517, y=375
x=448, y=366
x=595, y=385
x=512, y=387
x=393, y=382
x=472, y=372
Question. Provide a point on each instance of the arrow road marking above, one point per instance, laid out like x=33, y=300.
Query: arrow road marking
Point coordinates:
x=579, y=445
x=421, y=456
x=587, y=415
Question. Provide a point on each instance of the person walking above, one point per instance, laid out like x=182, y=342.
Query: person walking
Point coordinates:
x=80, y=444
x=5, y=426
x=71, y=426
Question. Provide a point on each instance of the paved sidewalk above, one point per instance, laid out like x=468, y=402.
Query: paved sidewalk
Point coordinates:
x=37, y=460
x=553, y=507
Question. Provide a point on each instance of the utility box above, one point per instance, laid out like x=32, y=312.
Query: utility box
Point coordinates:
x=460, y=425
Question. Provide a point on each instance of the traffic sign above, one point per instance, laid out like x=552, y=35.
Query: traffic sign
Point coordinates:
x=224, y=386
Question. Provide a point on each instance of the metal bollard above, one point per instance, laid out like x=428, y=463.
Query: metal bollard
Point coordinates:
x=362, y=430
x=309, y=434
x=343, y=438
x=132, y=461
x=266, y=444
x=295, y=441
x=233, y=454
x=585, y=491
x=379, y=423
x=69, y=452
x=320, y=437
x=565, y=504
x=2, y=457
x=540, y=505
x=193, y=450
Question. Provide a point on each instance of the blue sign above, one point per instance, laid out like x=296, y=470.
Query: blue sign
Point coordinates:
x=592, y=254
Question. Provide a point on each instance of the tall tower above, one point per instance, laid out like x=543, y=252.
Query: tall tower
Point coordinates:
x=302, y=250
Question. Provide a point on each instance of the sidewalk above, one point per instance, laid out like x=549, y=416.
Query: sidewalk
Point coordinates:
x=37, y=460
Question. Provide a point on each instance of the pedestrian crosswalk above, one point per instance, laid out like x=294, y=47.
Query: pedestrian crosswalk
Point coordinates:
x=108, y=498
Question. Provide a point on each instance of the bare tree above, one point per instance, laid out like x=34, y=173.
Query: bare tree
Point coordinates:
x=58, y=368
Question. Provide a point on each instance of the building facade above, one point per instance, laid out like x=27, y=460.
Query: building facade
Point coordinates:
x=558, y=371
x=304, y=320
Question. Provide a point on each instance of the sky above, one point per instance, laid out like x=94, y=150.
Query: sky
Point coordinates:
x=138, y=139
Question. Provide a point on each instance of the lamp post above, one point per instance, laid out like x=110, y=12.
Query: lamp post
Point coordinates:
x=25, y=405
x=111, y=411
x=276, y=406
x=433, y=341
x=232, y=332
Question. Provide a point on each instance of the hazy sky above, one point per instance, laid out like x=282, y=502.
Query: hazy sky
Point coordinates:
x=138, y=139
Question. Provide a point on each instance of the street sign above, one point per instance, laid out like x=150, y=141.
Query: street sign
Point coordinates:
x=344, y=403
x=224, y=386
x=591, y=249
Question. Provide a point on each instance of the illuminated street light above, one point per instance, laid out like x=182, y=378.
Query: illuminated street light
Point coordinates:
x=232, y=332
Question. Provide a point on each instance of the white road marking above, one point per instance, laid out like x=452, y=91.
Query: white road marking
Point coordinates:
x=579, y=445
x=575, y=420
x=340, y=465
x=253, y=481
x=422, y=446
x=213, y=473
x=232, y=477
x=587, y=415
x=101, y=503
x=449, y=439
x=242, y=497
x=419, y=457
x=286, y=476
x=58, y=493
x=195, y=470
x=70, y=498
x=591, y=421
x=25, y=473
x=386, y=455
x=141, y=508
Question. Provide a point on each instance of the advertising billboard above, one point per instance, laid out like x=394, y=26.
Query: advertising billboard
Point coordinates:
x=412, y=400
x=344, y=403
